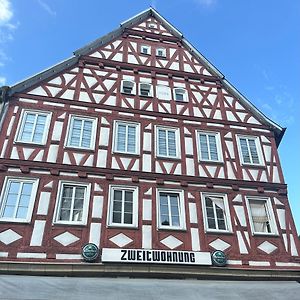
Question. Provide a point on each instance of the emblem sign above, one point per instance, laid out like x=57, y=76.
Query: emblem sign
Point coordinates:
x=90, y=252
x=218, y=258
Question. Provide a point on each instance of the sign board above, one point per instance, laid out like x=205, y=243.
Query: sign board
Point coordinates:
x=155, y=256
x=219, y=258
x=90, y=252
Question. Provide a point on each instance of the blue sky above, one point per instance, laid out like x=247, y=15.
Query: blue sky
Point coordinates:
x=255, y=44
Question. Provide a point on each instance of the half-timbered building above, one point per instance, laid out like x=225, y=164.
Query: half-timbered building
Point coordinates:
x=139, y=145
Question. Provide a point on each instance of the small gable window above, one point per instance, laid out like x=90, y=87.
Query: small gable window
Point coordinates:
x=127, y=87
x=145, y=90
x=152, y=25
x=161, y=52
x=145, y=49
x=180, y=94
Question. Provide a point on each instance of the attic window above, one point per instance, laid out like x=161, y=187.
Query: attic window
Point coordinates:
x=180, y=94
x=127, y=87
x=161, y=52
x=152, y=26
x=145, y=89
x=145, y=49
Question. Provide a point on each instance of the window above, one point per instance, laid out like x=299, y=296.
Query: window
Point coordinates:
x=17, y=199
x=171, y=209
x=180, y=94
x=81, y=132
x=33, y=127
x=161, y=52
x=145, y=89
x=126, y=137
x=249, y=150
x=145, y=49
x=72, y=203
x=123, y=210
x=216, y=212
x=209, y=146
x=261, y=215
x=167, y=142
x=127, y=87
x=152, y=25
x=163, y=92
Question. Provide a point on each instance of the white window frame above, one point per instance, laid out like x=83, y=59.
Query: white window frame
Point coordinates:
x=258, y=149
x=184, y=95
x=22, y=123
x=152, y=25
x=69, y=132
x=146, y=47
x=218, y=143
x=182, y=217
x=270, y=215
x=226, y=209
x=133, y=87
x=135, y=190
x=85, y=207
x=137, y=137
x=3, y=198
x=150, y=89
x=164, y=52
x=177, y=141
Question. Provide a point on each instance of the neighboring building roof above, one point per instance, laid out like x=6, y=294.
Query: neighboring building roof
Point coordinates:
x=25, y=84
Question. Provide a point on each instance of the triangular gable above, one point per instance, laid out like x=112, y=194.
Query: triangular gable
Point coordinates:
x=114, y=39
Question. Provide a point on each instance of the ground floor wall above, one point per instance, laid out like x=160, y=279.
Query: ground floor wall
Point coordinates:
x=41, y=238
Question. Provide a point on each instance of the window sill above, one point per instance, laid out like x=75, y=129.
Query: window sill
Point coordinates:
x=217, y=232
x=253, y=165
x=172, y=229
x=69, y=224
x=137, y=155
x=15, y=221
x=146, y=96
x=169, y=158
x=211, y=162
x=79, y=149
x=264, y=234
x=40, y=145
x=115, y=226
x=128, y=94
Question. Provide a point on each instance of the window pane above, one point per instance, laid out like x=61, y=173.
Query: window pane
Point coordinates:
x=117, y=195
x=253, y=151
x=128, y=208
x=21, y=213
x=64, y=215
x=171, y=143
x=128, y=196
x=221, y=224
x=165, y=220
x=8, y=211
x=245, y=152
x=211, y=223
x=163, y=199
x=203, y=147
x=175, y=221
x=116, y=217
x=121, y=137
x=77, y=215
x=131, y=139
x=128, y=218
x=24, y=200
x=117, y=206
x=213, y=147
x=162, y=143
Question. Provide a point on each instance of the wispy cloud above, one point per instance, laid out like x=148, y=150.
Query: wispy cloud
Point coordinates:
x=7, y=29
x=47, y=8
x=2, y=80
x=278, y=102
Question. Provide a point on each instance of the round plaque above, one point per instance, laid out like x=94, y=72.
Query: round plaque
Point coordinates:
x=90, y=252
x=218, y=258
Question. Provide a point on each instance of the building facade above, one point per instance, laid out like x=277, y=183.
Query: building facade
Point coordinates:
x=139, y=145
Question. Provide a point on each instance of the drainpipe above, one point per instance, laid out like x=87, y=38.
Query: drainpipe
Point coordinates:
x=3, y=103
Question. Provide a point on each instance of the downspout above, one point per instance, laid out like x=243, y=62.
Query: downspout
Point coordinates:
x=3, y=103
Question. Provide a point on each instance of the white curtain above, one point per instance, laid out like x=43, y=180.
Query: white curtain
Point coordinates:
x=259, y=216
x=219, y=202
